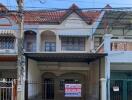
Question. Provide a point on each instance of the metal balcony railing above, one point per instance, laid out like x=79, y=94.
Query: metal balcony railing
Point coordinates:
x=121, y=45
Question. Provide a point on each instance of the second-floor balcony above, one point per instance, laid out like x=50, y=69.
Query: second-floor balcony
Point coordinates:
x=49, y=41
x=121, y=45
x=110, y=45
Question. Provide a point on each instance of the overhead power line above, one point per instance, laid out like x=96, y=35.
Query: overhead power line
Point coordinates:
x=46, y=8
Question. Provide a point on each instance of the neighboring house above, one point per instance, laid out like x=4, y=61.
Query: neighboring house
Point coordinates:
x=8, y=54
x=59, y=49
x=114, y=36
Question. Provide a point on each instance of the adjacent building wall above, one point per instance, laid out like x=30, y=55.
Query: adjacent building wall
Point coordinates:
x=8, y=70
x=121, y=66
x=97, y=71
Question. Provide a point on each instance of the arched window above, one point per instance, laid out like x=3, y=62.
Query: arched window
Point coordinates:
x=48, y=41
x=30, y=41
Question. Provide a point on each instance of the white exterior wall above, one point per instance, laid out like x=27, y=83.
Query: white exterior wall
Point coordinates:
x=34, y=76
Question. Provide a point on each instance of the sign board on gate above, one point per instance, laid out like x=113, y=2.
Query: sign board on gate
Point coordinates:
x=115, y=88
x=73, y=90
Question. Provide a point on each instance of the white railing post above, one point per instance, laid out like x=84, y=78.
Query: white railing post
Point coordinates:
x=12, y=90
x=107, y=43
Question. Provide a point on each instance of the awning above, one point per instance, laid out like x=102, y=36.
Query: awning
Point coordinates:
x=78, y=33
x=7, y=33
x=65, y=57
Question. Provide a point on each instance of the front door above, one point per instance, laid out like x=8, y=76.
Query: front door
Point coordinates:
x=48, y=89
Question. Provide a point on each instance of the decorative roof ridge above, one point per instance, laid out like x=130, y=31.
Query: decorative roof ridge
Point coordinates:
x=3, y=8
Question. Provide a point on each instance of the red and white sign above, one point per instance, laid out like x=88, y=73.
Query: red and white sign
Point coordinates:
x=73, y=90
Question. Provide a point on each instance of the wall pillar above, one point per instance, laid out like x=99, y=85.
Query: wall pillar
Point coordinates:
x=38, y=43
x=103, y=89
x=107, y=43
x=91, y=43
x=107, y=49
x=58, y=44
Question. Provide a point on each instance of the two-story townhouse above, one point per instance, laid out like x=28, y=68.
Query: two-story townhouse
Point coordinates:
x=114, y=36
x=59, y=51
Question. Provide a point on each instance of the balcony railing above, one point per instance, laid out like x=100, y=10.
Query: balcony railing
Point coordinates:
x=114, y=45
x=8, y=48
x=121, y=45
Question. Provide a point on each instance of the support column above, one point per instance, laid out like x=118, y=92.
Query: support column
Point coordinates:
x=107, y=49
x=107, y=43
x=103, y=89
x=58, y=44
x=91, y=43
x=38, y=43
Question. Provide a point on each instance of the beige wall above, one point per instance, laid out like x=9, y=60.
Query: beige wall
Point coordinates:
x=8, y=70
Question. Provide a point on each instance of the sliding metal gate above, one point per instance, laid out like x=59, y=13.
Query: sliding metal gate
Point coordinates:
x=121, y=89
x=8, y=90
x=41, y=90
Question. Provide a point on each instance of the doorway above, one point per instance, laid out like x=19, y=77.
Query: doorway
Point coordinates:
x=48, y=89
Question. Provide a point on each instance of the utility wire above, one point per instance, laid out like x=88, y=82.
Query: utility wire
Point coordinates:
x=92, y=8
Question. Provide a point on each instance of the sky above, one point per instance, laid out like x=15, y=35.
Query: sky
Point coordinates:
x=46, y=4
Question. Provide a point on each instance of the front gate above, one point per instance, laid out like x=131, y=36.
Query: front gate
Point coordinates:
x=121, y=89
x=8, y=89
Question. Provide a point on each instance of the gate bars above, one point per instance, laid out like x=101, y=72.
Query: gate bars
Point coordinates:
x=8, y=89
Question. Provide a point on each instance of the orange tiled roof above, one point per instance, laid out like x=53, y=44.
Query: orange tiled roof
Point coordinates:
x=3, y=8
x=54, y=16
x=57, y=16
x=41, y=17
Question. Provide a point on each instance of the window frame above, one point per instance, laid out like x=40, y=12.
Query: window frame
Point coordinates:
x=50, y=46
x=73, y=43
x=7, y=42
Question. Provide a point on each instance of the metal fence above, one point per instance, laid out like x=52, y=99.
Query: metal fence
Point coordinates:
x=49, y=90
x=121, y=89
x=41, y=91
x=8, y=89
